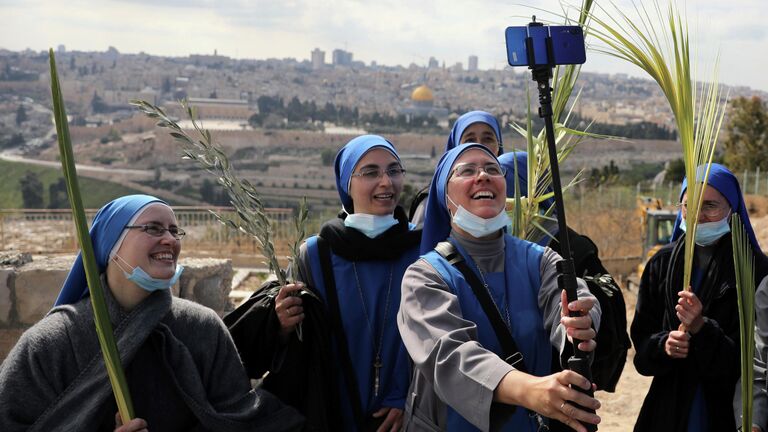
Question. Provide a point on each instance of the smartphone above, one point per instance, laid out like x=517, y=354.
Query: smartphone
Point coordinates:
x=567, y=43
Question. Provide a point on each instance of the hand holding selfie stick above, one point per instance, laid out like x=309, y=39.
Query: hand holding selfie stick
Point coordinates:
x=566, y=279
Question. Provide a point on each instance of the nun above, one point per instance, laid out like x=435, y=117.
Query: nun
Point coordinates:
x=472, y=127
x=182, y=369
x=466, y=377
x=349, y=283
x=694, y=371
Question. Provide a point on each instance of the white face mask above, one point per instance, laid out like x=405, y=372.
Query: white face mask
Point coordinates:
x=709, y=232
x=370, y=225
x=477, y=226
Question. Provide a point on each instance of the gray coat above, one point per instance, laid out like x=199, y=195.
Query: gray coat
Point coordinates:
x=434, y=332
x=181, y=365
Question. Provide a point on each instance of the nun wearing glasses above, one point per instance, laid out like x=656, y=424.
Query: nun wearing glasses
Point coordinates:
x=181, y=367
x=352, y=272
x=471, y=374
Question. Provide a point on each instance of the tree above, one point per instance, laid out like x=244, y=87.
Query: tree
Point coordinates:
x=16, y=140
x=406, y=196
x=746, y=146
x=31, y=190
x=166, y=87
x=327, y=157
x=57, y=195
x=676, y=171
x=21, y=115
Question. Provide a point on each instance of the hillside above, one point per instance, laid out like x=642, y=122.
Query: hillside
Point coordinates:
x=94, y=192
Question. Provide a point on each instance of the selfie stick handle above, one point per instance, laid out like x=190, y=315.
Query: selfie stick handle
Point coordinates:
x=566, y=278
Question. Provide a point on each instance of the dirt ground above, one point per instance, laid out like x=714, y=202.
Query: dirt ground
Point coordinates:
x=620, y=409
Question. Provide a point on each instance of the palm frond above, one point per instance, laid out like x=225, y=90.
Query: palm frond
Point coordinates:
x=744, y=265
x=658, y=42
x=104, y=330
x=528, y=220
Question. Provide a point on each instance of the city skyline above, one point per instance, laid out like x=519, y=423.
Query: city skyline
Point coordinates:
x=401, y=33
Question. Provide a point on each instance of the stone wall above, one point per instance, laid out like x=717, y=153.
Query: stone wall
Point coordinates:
x=29, y=289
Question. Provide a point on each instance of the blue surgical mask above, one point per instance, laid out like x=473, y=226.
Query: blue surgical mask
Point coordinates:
x=709, y=232
x=478, y=226
x=147, y=282
x=370, y=225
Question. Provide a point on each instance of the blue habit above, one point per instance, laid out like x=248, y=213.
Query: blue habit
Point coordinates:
x=363, y=340
x=515, y=291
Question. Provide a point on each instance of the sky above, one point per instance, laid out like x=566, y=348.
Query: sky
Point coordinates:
x=390, y=32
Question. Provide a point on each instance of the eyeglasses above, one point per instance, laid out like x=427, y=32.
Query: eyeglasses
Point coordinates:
x=709, y=209
x=373, y=174
x=471, y=170
x=158, y=230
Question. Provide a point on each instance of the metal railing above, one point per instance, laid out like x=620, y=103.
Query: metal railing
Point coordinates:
x=53, y=231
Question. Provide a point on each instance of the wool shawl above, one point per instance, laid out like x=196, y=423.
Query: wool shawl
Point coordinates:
x=55, y=378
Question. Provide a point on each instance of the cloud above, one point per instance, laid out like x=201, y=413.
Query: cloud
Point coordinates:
x=388, y=31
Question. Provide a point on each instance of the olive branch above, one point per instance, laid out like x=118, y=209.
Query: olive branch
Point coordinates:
x=248, y=204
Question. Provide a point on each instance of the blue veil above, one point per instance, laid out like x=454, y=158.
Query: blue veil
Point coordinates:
x=347, y=159
x=467, y=120
x=106, y=231
x=726, y=183
x=437, y=219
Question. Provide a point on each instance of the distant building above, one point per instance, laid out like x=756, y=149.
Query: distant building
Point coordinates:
x=472, y=63
x=458, y=67
x=318, y=58
x=61, y=49
x=342, y=58
x=209, y=60
x=220, y=109
x=433, y=64
x=422, y=104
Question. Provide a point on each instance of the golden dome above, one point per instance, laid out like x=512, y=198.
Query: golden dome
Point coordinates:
x=422, y=93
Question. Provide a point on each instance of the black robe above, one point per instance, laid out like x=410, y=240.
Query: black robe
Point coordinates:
x=302, y=373
x=713, y=360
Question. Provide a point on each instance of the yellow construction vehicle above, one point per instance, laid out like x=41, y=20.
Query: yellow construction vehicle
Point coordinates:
x=657, y=223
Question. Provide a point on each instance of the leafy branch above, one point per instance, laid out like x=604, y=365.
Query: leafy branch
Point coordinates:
x=252, y=219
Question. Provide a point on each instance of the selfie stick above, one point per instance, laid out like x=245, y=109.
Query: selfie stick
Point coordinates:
x=566, y=278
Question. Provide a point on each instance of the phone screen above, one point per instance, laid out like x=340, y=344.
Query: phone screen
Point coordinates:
x=568, y=45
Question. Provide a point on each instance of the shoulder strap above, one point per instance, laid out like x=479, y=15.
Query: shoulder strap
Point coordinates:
x=512, y=354
x=417, y=200
x=329, y=281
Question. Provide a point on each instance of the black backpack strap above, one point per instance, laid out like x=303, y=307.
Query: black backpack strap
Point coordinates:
x=417, y=200
x=341, y=339
x=512, y=354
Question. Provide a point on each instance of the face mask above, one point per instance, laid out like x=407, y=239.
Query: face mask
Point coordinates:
x=368, y=224
x=477, y=226
x=709, y=232
x=147, y=282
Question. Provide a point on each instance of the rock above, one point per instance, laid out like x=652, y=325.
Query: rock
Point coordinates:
x=37, y=284
x=14, y=258
x=6, y=297
x=207, y=281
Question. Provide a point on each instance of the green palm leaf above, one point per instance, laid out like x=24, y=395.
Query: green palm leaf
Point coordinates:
x=100, y=312
x=744, y=264
x=658, y=43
